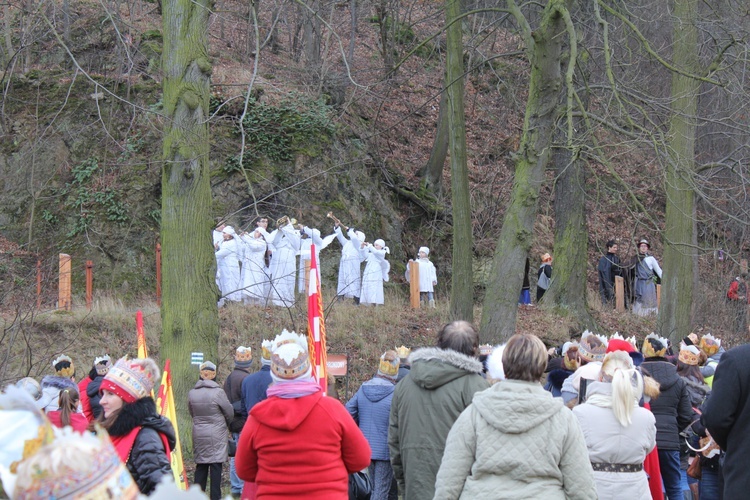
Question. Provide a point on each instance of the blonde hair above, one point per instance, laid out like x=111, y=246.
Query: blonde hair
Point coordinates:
x=627, y=384
x=524, y=358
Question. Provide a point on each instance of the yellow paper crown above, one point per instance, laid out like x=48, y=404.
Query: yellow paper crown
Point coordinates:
x=389, y=364
x=243, y=354
x=690, y=355
x=649, y=350
x=64, y=371
x=265, y=349
x=709, y=344
x=403, y=352
x=290, y=361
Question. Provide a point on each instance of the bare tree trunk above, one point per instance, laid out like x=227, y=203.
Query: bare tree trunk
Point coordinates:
x=679, y=253
x=384, y=19
x=8, y=33
x=432, y=171
x=544, y=46
x=353, y=38
x=462, y=289
x=189, y=314
x=311, y=36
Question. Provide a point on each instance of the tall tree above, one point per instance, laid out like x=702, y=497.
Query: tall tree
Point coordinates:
x=675, y=312
x=462, y=289
x=432, y=171
x=189, y=315
x=544, y=50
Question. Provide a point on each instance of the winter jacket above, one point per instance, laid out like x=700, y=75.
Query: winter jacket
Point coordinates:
x=233, y=390
x=212, y=413
x=370, y=408
x=254, y=388
x=709, y=369
x=726, y=415
x=515, y=441
x=84, y=397
x=78, y=421
x=92, y=390
x=148, y=461
x=608, y=442
x=403, y=371
x=51, y=387
x=440, y=385
x=672, y=408
x=301, y=448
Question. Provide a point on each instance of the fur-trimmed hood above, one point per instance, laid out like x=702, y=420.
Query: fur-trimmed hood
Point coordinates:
x=432, y=367
x=141, y=412
x=58, y=382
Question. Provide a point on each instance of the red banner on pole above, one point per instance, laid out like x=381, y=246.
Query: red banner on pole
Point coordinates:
x=316, y=330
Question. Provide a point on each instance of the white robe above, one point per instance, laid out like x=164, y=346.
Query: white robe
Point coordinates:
x=372, y=277
x=313, y=237
x=286, y=244
x=254, y=278
x=228, y=262
x=427, y=274
x=218, y=238
x=350, y=280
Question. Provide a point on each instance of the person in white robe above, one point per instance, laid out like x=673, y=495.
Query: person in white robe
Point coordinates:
x=375, y=273
x=218, y=237
x=427, y=275
x=254, y=278
x=228, y=262
x=286, y=244
x=352, y=255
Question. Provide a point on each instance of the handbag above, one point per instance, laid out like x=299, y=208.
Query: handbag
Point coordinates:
x=232, y=447
x=360, y=485
x=694, y=469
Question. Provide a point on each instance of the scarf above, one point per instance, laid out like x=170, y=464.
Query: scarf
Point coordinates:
x=294, y=388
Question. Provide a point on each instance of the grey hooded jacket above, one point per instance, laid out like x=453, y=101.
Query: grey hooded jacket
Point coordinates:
x=212, y=413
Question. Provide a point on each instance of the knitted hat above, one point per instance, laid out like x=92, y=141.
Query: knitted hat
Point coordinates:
x=654, y=346
x=620, y=344
x=243, y=357
x=75, y=466
x=208, y=370
x=690, y=355
x=425, y=250
x=388, y=367
x=709, y=344
x=546, y=258
x=290, y=361
x=592, y=347
x=131, y=379
x=102, y=364
x=403, y=352
x=265, y=352
x=64, y=366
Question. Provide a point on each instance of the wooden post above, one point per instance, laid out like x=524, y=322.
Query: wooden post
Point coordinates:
x=619, y=294
x=39, y=283
x=89, y=283
x=414, y=283
x=158, y=274
x=307, y=278
x=658, y=295
x=743, y=265
x=63, y=301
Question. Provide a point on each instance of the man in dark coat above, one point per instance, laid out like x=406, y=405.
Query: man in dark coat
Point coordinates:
x=441, y=384
x=243, y=360
x=609, y=267
x=726, y=415
x=672, y=410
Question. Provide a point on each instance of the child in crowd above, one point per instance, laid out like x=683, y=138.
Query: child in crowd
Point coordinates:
x=427, y=276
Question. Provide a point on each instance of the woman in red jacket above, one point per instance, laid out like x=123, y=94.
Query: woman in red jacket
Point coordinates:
x=68, y=414
x=298, y=443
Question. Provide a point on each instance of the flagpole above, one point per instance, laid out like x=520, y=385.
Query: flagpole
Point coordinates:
x=316, y=331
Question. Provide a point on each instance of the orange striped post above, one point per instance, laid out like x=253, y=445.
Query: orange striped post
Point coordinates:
x=64, y=286
x=414, y=284
x=158, y=274
x=89, y=283
x=619, y=294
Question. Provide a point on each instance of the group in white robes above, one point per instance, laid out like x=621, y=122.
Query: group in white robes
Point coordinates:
x=228, y=258
x=254, y=277
x=352, y=255
x=375, y=273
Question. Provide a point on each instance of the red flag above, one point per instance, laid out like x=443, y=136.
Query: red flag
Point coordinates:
x=166, y=407
x=141, y=335
x=316, y=330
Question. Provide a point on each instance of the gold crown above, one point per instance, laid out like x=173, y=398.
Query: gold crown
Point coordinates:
x=65, y=371
x=570, y=359
x=243, y=354
x=485, y=349
x=689, y=355
x=290, y=361
x=403, y=352
x=389, y=363
x=592, y=347
x=649, y=350
x=709, y=344
x=265, y=349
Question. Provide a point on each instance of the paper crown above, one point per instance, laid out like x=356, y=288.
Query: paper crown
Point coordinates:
x=654, y=346
x=690, y=355
x=287, y=337
x=389, y=364
x=64, y=366
x=131, y=379
x=243, y=354
x=709, y=344
x=102, y=364
x=208, y=370
x=485, y=349
x=75, y=466
x=592, y=347
x=403, y=352
x=570, y=357
x=290, y=361
x=265, y=349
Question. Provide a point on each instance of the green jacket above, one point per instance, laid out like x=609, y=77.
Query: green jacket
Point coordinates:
x=426, y=403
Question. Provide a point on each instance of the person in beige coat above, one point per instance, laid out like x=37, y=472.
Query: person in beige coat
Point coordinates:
x=515, y=440
x=212, y=413
x=619, y=433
